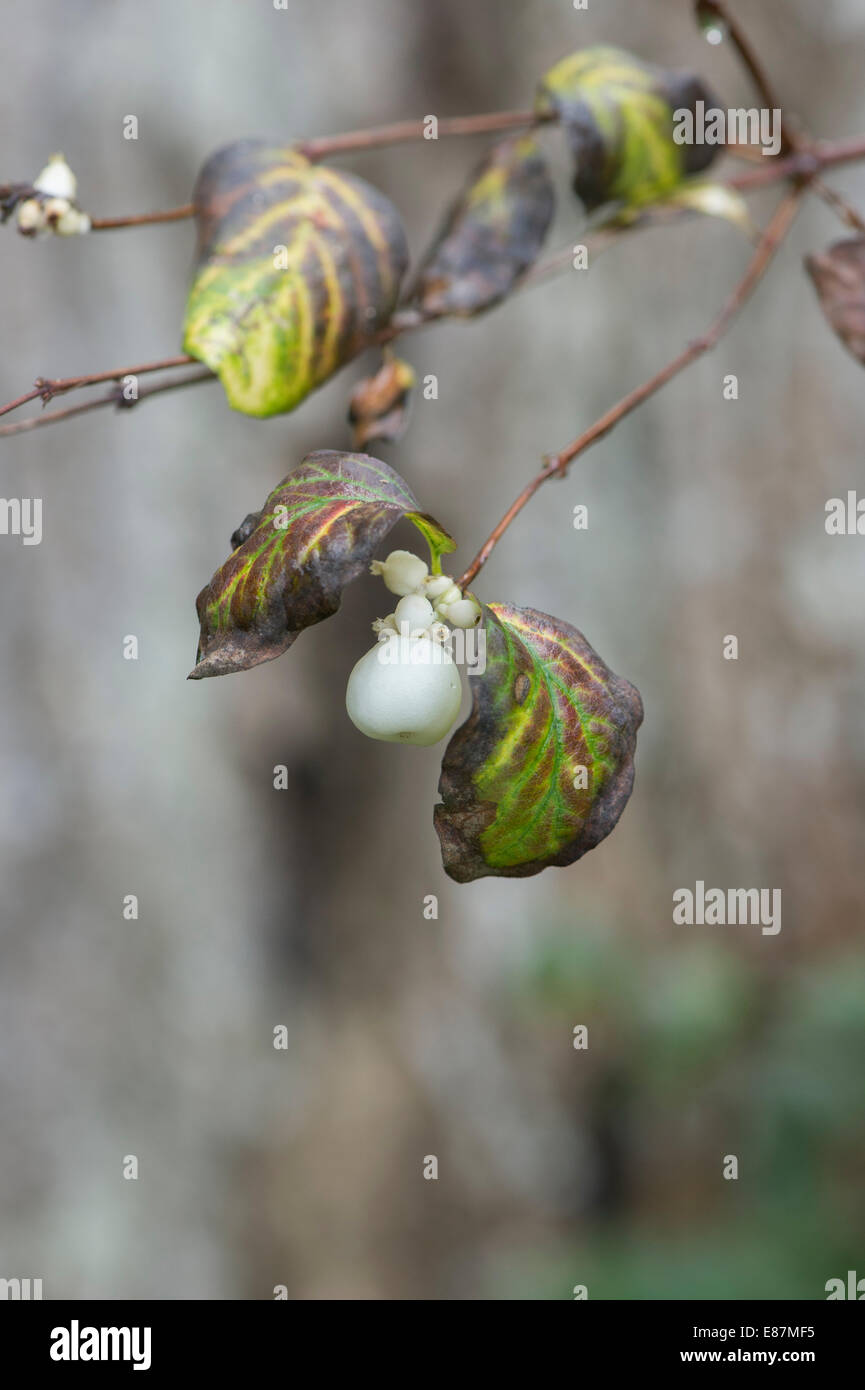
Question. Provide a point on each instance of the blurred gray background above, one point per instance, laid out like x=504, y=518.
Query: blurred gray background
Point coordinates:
x=409, y=1037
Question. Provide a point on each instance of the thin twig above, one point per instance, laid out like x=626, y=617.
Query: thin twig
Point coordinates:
x=142, y=219
x=804, y=164
x=839, y=204
x=717, y=9
x=115, y=398
x=400, y=132
x=557, y=465
x=791, y=139
x=46, y=388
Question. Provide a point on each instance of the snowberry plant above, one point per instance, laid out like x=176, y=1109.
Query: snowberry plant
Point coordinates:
x=300, y=267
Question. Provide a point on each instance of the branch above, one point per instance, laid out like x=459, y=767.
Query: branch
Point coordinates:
x=402, y=131
x=717, y=9
x=397, y=133
x=115, y=398
x=791, y=140
x=142, y=219
x=834, y=200
x=46, y=388
x=558, y=464
x=802, y=165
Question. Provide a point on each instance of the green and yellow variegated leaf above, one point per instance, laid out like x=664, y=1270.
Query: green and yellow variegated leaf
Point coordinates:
x=491, y=235
x=618, y=115
x=317, y=531
x=297, y=267
x=542, y=769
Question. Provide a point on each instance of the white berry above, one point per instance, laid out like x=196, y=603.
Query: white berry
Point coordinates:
x=414, y=610
x=435, y=585
x=404, y=691
x=402, y=572
x=55, y=208
x=72, y=223
x=30, y=217
x=451, y=595
x=465, y=612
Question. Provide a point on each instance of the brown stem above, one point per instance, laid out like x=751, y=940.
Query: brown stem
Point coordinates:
x=717, y=9
x=114, y=398
x=791, y=140
x=46, y=388
x=804, y=164
x=839, y=204
x=401, y=131
x=557, y=464
x=142, y=219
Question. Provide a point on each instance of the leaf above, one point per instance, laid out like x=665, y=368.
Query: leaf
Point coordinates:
x=317, y=531
x=491, y=235
x=297, y=267
x=618, y=115
x=439, y=542
x=839, y=279
x=379, y=404
x=545, y=707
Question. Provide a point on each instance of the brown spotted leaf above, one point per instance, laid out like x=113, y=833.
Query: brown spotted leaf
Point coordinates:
x=543, y=767
x=839, y=279
x=317, y=531
x=378, y=409
x=298, y=265
x=492, y=234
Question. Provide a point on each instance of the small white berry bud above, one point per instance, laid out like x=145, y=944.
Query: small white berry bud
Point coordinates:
x=451, y=594
x=440, y=632
x=402, y=572
x=30, y=217
x=435, y=585
x=57, y=180
x=415, y=610
x=54, y=209
x=72, y=223
x=466, y=612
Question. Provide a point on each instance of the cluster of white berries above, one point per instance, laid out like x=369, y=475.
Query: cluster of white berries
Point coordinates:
x=53, y=208
x=407, y=689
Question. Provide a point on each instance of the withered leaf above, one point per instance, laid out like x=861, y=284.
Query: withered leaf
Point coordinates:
x=839, y=279
x=298, y=266
x=543, y=767
x=317, y=531
x=378, y=409
x=491, y=235
x=617, y=113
